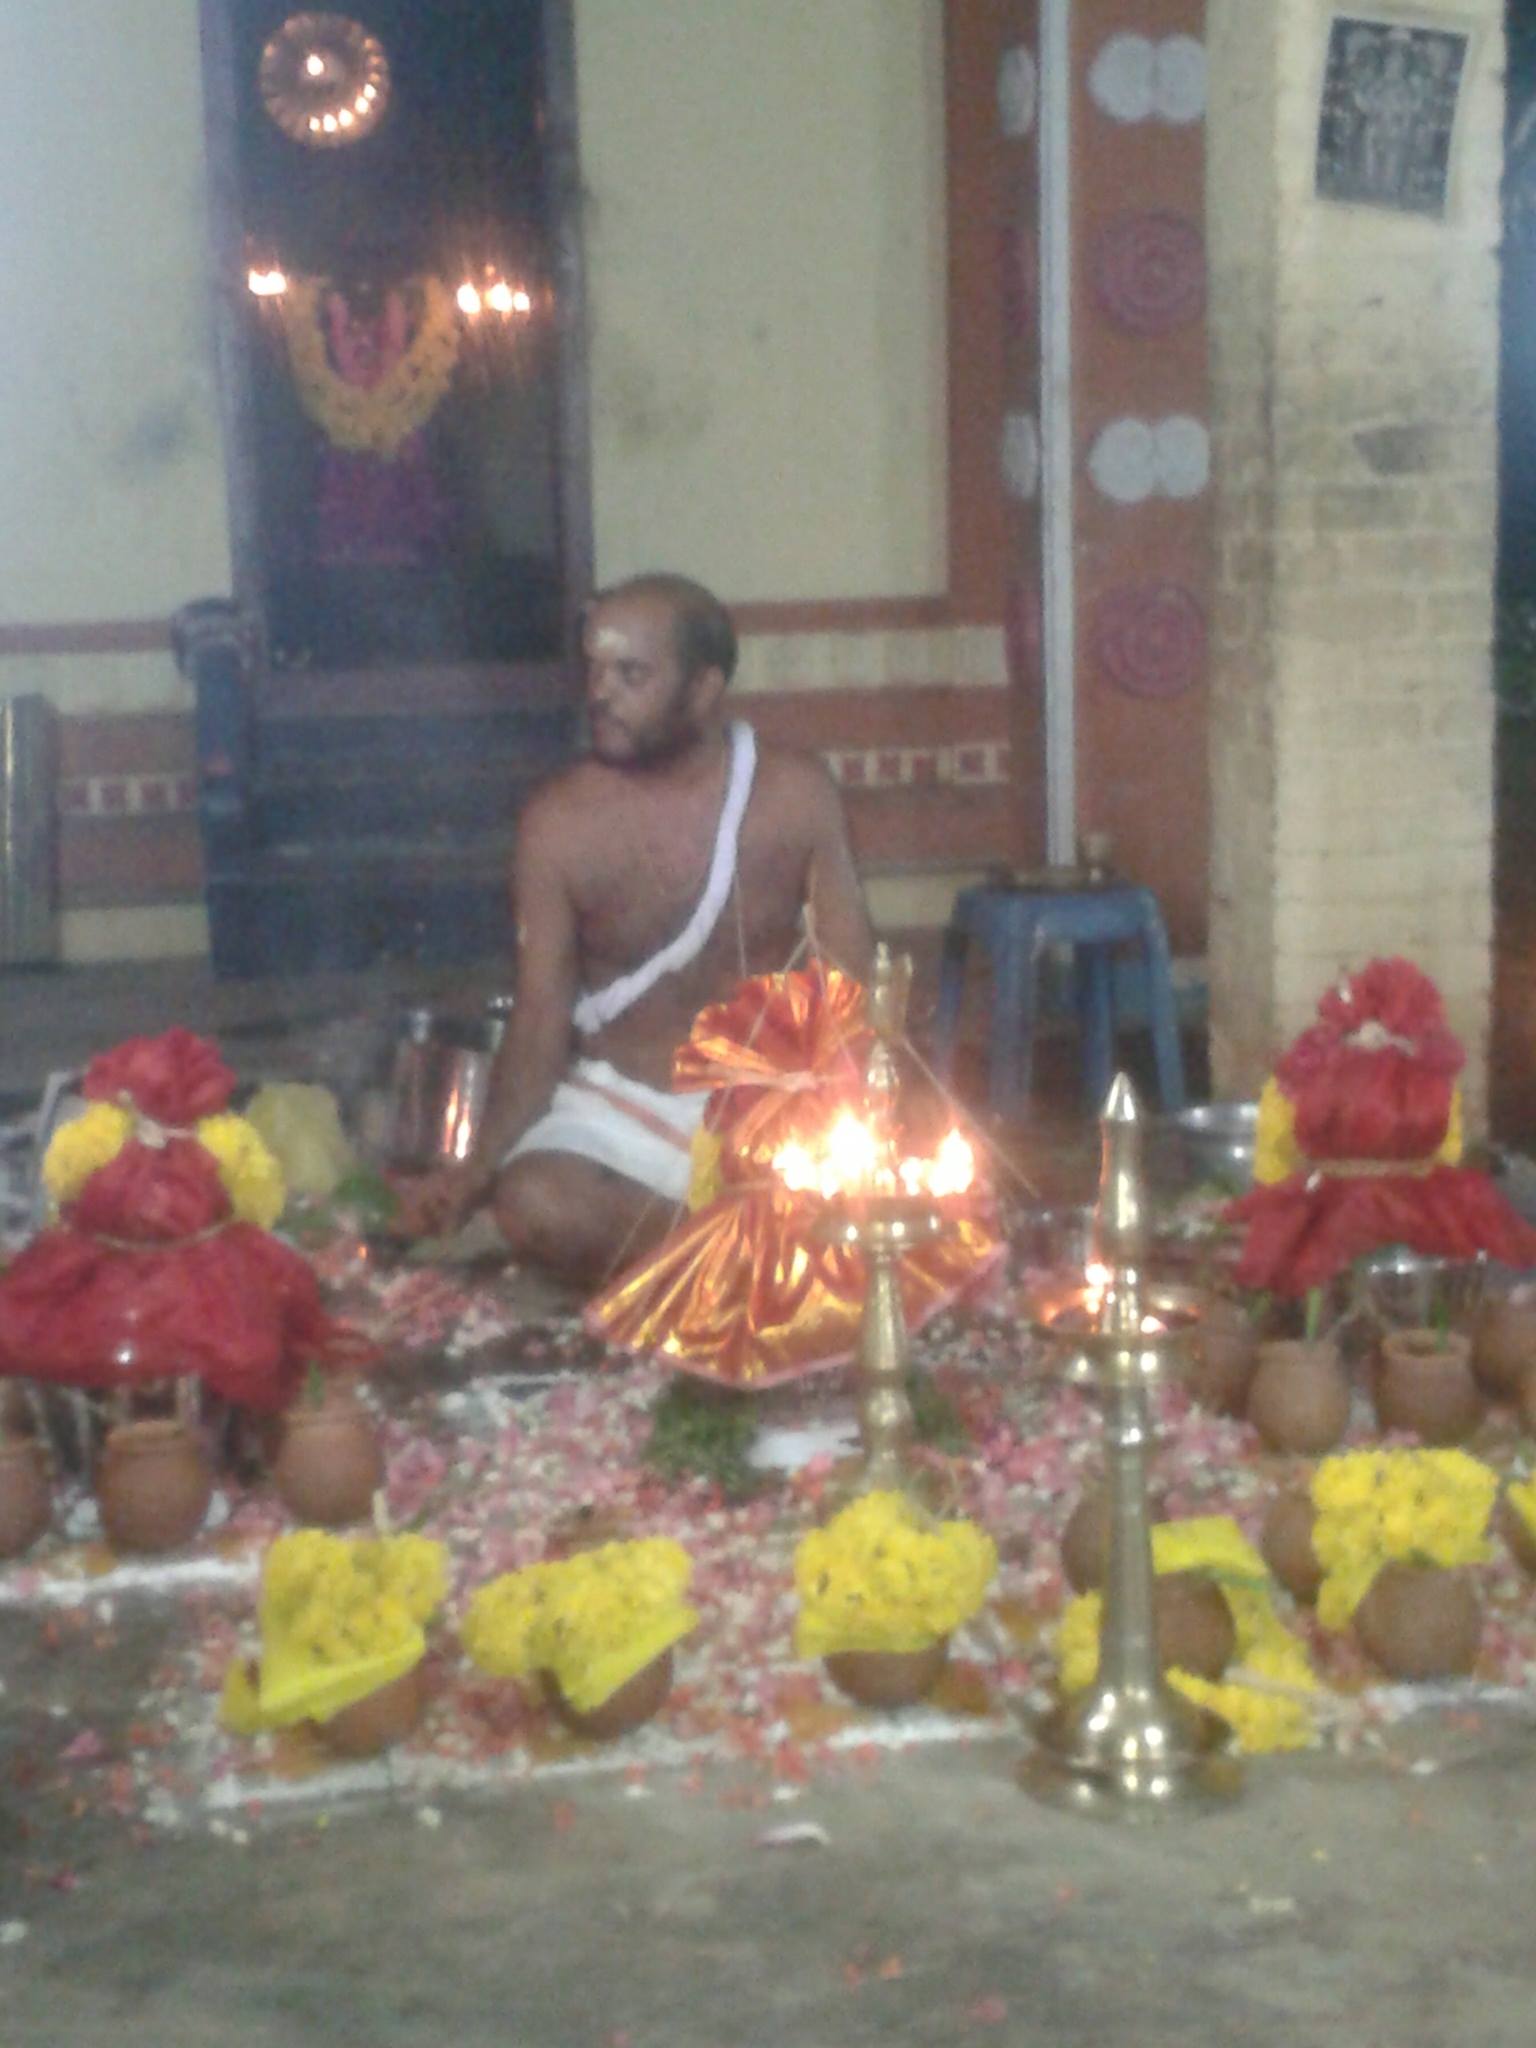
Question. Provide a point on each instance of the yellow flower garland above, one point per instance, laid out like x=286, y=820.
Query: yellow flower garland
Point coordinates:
x=879, y=1576
x=1276, y=1154
x=592, y=1621
x=252, y=1178
x=1266, y=1714
x=1382, y=1507
x=376, y=421
x=1522, y=1498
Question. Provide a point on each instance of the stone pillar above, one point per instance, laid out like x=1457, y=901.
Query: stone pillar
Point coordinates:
x=1354, y=371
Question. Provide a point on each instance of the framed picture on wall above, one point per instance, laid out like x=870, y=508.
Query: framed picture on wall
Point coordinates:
x=1388, y=117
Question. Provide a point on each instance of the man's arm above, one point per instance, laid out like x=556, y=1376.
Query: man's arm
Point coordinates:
x=534, y=1054
x=834, y=896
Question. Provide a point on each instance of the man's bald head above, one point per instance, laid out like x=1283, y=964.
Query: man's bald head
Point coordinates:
x=701, y=625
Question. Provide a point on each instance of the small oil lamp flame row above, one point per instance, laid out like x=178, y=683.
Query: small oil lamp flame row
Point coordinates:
x=847, y=1162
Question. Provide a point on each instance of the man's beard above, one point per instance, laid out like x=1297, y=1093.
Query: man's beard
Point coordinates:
x=657, y=747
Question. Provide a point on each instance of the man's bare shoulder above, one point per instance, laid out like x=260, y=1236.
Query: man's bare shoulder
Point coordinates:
x=568, y=800
x=797, y=783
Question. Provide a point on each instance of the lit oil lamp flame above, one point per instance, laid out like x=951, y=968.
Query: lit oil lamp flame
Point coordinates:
x=847, y=1161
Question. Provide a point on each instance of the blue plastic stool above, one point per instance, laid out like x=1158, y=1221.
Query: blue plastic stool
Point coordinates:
x=1015, y=924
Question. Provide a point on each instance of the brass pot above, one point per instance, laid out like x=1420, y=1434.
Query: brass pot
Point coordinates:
x=637, y=1700
x=1299, y=1396
x=1420, y=1621
x=888, y=1678
x=1424, y=1384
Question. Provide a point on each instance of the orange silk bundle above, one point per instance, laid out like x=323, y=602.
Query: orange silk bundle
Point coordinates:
x=744, y=1292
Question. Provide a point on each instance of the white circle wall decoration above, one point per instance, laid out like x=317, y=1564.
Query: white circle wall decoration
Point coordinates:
x=1021, y=455
x=1183, y=456
x=1120, y=79
x=1123, y=461
x=1017, y=88
x=1178, y=80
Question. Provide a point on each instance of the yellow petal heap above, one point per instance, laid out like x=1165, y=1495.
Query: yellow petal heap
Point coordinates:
x=1383, y=1507
x=1522, y=1498
x=1263, y=1701
x=592, y=1621
x=881, y=1576
x=340, y=1617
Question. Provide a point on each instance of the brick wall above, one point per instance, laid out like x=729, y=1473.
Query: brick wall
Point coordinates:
x=1354, y=366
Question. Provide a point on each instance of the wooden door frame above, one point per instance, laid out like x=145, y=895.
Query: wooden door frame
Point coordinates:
x=411, y=688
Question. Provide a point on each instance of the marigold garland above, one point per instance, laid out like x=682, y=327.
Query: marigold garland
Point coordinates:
x=1382, y=1507
x=371, y=421
x=252, y=1178
x=881, y=1576
x=340, y=1617
x=1521, y=1494
x=1268, y=1713
x=591, y=1621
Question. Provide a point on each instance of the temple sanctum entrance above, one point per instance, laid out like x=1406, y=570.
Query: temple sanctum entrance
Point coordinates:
x=398, y=297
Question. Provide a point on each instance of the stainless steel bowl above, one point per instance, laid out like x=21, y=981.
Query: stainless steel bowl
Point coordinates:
x=441, y=1080
x=1405, y=1290
x=1057, y=1240
x=1209, y=1145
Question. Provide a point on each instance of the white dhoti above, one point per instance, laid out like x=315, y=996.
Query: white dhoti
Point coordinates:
x=597, y=1113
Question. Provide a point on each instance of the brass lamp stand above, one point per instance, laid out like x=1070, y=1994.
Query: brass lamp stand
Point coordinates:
x=883, y=1224
x=1128, y=1746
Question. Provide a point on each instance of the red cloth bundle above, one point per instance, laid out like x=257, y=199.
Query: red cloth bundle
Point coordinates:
x=1371, y=1086
x=147, y=1277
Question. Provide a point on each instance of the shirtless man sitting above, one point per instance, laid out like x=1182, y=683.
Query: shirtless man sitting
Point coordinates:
x=648, y=879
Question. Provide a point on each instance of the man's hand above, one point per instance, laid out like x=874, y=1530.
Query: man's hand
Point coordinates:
x=441, y=1203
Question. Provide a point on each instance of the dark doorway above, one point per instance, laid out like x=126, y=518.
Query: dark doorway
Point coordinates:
x=1513, y=1072
x=394, y=193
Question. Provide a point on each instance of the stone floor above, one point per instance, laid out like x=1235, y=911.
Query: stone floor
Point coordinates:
x=1378, y=1908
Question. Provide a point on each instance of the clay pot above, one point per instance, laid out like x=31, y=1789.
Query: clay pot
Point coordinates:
x=26, y=1496
x=1195, y=1632
x=635, y=1702
x=1424, y=1383
x=1298, y=1399
x=1085, y=1540
x=1226, y=1349
x=1515, y=1530
x=379, y=1719
x=1286, y=1541
x=1504, y=1346
x=888, y=1678
x=328, y=1464
x=153, y=1485
x=1420, y=1621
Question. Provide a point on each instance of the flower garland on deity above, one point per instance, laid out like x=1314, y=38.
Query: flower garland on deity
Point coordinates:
x=377, y=413
x=1263, y=1700
x=881, y=1575
x=592, y=1621
x=340, y=1617
x=1359, y=1144
x=1374, y=1508
x=160, y=1264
